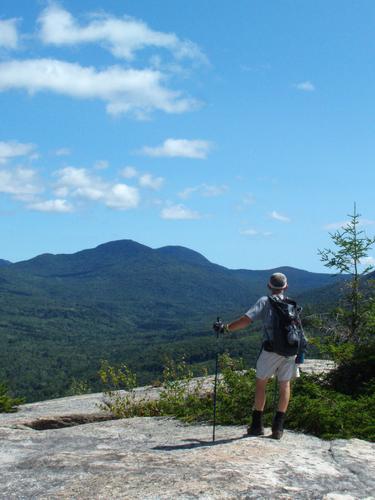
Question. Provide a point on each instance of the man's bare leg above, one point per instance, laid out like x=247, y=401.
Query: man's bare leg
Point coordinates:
x=260, y=394
x=284, y=395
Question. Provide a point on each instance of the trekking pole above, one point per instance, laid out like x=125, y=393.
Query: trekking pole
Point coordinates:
x=216, y=371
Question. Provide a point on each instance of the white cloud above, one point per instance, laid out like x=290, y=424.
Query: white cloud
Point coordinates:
x=121, y=36
x=172, y=68
x=72, y=177
x=129, y=172
x=182, y=148
x=145, y=180
x=21, y=183
x=13, y=149
x=206, y=190
x=255, y=232
x=8, y=34
x=249, y=232
x=149, y=181
x=62, y=152
x=57, y=205
x=187, y=192
x=179, y=212
x=122, y=197
x=211, y=191
x=305, y=86
x=280, y=217
x=79, y=183
x=123, y=90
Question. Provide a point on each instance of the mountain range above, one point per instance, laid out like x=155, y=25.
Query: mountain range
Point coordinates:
x=123, y=301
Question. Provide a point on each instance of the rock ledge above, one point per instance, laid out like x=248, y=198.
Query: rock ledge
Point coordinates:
x=161, y=458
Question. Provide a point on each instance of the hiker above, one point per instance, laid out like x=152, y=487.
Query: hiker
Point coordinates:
x=277, y=356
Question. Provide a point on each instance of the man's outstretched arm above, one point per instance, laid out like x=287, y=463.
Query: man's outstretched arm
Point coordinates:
x=239, y=324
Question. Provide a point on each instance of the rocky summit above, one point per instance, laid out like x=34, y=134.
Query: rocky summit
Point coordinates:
x=67, y=448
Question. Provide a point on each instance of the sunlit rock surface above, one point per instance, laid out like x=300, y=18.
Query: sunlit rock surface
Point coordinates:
x=161, y=458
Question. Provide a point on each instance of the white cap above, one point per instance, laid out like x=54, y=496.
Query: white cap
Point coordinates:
x=278, y=281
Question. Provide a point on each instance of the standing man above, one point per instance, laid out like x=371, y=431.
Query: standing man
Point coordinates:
x=269, y=363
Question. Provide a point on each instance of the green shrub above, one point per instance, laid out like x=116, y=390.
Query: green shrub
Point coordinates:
x=315, y=408
x=8, y=404
x=323, y=412
x=78, y=387
x=187, y=398
x=354, y=375
x=180, y=396
x=120, y=397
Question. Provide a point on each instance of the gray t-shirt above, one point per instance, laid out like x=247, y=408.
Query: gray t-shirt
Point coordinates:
x=262, y=310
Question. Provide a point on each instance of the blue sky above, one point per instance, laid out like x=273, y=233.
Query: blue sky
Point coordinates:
x=242, y=130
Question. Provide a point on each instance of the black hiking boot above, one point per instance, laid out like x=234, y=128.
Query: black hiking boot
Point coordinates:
x=256, y=428
x=278, y=425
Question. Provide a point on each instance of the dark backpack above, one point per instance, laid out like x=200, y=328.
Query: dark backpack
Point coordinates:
x=288, y=335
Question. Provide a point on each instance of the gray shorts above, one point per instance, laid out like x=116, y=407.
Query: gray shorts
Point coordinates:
x=270, y=363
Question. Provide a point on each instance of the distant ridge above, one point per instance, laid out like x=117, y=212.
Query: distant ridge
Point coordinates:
x=4, y=263
x=184, y=254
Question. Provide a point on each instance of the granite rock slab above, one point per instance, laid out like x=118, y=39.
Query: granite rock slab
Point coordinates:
x=162, y=458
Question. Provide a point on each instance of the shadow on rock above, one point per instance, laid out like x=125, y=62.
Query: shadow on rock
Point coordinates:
x=197, y=443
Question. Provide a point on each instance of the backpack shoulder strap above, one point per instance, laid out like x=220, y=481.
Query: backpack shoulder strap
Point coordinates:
x=290, y=301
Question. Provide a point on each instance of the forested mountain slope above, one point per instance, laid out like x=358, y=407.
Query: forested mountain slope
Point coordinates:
x=61, y=314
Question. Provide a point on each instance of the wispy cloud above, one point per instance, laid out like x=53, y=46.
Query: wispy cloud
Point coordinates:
x=21, y=183
x=280, y=217
x=247, y=68
x=8, y=34
x=182, y=148
x=206, y=190
x=123, y=90
x=151, y=182
x=306, y=86
x=129, y=172
x=255, y=232
x=101, y=165
x=145, y=180
x=368, y=261
x=12, y=149
x=62, y=152
x=246, y=201
x=249, y=232
x=366, y=222
x=123, y=37
x=57, y=205
x=179, y=212
x=334, y=226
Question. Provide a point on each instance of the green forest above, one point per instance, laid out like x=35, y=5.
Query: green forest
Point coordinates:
x=123, y=302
